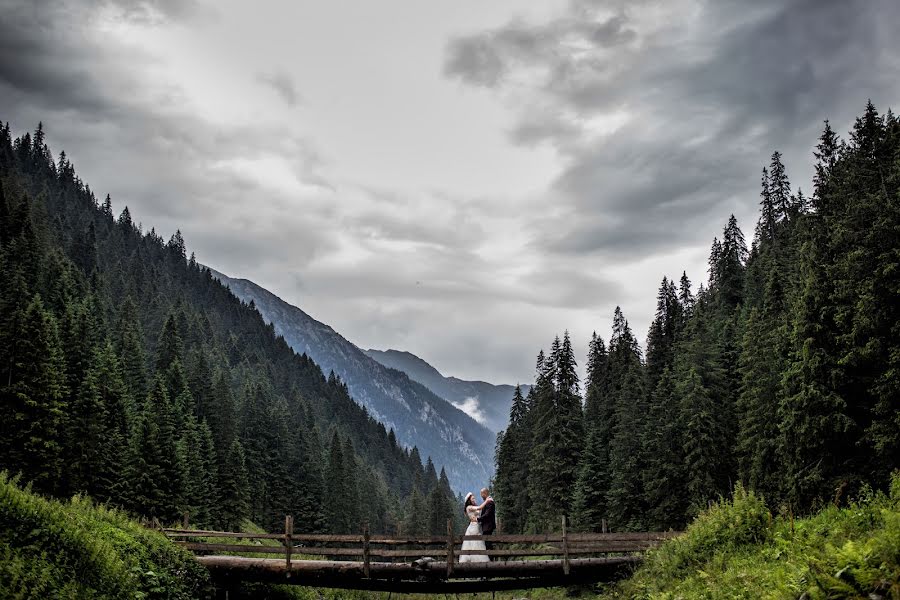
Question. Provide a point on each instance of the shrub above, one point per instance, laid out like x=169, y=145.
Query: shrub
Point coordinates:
x=51, y=549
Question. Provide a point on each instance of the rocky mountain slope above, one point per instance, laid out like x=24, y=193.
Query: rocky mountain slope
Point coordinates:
x=485, y=402
x=419, y=417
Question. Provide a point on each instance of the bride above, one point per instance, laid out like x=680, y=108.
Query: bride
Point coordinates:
x=474, y=528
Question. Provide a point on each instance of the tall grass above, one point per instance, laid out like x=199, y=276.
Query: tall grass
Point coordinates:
x=737, y=549
x=77, y=549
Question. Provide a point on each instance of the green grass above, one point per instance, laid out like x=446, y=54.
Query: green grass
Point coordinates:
x=76, y=549
x=737, y=550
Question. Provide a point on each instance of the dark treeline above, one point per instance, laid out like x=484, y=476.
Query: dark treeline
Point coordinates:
x=782, y=373
x=127, y=372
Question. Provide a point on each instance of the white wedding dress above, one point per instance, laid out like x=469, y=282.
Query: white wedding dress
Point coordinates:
x=473, y=529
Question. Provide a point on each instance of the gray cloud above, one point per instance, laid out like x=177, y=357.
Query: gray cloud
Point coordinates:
x=179, y=170
x=710, y=89
x=645, y=123
x=283, y=85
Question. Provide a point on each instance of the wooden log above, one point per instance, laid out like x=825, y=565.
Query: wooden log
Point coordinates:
x=301, y=537
x=393, y=540
x=439, y=586
x=304, y=571
x=553, y=549
x=573, y=537
x=178, y=533
x=545, y=552
x=288, y=543
x=434, y=553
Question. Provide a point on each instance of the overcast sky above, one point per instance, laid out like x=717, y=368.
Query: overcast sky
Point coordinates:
x=462, y=180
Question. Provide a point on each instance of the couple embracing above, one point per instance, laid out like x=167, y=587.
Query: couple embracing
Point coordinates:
x=482, y=521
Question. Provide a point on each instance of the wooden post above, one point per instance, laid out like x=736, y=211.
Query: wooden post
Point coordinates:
x=184, y=522
x=366, y=550
x=288, y=543
x=603, y=526
x=449, y=547
x=565, y=545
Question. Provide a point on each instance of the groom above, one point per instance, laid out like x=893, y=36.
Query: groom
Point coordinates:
x=487, y=519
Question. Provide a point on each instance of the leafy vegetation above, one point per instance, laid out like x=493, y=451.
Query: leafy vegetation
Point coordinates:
x=77, y=549
x=736, y=549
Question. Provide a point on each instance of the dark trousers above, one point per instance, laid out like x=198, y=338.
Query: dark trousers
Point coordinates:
x=488, y=545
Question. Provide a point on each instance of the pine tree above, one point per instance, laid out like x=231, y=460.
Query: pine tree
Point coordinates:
x=763, y=360
x=589, y=500
x=235, y=505
x=703, y=435
x=86, y=433
x=768, y=219
x=111, y=479
x=129, y=346
x=163, y=458
x=33, y=401
x=439, y=511
x=558, y=435
x=661, y=336
x=662, y=450
x=729, y=265
x=415, y=522
x=591, y=487
x=780, y=189
x=335, y=483
x=144, y=496
x=311, y=485
x=511, y=478
x=170, y=348
x=352, y=474
x=685, y=301
x=624, y=491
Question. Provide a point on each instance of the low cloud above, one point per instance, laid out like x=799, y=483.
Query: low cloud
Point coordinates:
x=470, y=407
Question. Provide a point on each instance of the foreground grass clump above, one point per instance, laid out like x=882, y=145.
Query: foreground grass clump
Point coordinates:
x=75, y=549
x=737, y=550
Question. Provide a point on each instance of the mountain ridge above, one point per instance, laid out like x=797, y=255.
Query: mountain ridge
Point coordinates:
x=418, y=416
x=485, y=402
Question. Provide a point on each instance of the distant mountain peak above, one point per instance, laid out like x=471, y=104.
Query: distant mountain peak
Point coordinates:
x=419, y=417
x=485, y=402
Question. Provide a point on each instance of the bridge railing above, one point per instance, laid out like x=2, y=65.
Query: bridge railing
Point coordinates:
x=366, y=548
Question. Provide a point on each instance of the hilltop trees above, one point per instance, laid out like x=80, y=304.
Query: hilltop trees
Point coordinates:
x=781, y=372
x=129, y=373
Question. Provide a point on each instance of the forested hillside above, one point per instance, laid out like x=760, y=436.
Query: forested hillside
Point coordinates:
x=129, y=373
x=782, y=372
x=454, y=441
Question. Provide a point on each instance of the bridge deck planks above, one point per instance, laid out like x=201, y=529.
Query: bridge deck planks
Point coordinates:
x=560, y=559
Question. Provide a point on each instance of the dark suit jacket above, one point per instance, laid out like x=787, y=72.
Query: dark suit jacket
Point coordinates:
x=488, y=519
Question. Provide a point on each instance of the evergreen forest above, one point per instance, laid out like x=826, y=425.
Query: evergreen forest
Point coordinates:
x=130, y=374
x=782, y=371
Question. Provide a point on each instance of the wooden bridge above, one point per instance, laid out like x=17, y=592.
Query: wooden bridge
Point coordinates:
x=415, y=564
